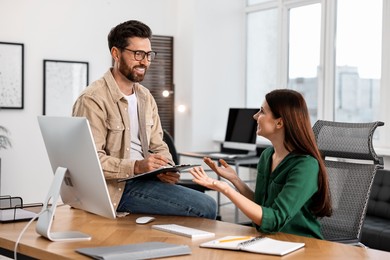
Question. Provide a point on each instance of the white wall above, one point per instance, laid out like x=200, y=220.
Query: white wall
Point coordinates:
x=214, y=67
x=209, y=68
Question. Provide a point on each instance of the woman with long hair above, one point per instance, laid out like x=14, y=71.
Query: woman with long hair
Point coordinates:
x=292, y=189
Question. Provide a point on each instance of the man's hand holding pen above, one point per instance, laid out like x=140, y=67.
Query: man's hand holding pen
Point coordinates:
x=153, y=162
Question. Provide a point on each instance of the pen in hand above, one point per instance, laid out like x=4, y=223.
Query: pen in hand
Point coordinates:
x=151, y=152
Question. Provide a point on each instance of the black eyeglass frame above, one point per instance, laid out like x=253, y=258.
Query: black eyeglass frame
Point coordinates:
x=151, y=55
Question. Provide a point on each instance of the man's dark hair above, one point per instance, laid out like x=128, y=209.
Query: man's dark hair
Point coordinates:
x=119, y=34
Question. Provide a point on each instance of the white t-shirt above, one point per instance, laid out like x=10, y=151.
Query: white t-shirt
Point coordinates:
x=135, y=142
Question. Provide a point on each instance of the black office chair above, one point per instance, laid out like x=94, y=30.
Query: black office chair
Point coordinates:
x=351, y=163
x=168, y=139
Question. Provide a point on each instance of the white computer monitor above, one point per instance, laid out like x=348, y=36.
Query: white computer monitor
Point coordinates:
x=78, y=176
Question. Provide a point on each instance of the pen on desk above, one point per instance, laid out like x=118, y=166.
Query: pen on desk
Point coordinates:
x=233, y=239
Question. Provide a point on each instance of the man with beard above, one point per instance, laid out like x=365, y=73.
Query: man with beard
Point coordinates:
x=128, y=135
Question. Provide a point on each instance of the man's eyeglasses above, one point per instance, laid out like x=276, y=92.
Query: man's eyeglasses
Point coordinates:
x=140, y=55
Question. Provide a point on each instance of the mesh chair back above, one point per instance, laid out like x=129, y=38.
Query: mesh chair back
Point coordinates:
x=168, y=139
x=347, y=140
x=351, y=163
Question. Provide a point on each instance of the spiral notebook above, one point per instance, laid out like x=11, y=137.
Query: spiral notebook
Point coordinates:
x=260, y=245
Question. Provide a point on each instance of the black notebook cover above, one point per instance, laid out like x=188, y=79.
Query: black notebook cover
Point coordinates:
x=175, y=168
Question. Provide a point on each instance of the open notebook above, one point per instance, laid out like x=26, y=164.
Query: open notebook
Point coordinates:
x=260, y=245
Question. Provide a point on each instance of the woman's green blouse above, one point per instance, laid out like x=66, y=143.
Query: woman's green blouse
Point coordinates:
x=285, y=194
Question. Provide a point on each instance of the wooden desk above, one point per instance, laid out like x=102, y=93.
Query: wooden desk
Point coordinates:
x=106, y=232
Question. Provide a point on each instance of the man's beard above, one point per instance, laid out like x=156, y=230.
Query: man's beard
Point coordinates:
x=130, y=74
x=135, y=77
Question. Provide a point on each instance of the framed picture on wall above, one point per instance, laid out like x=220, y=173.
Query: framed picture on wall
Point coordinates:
x=63, y=82
x=11, y=75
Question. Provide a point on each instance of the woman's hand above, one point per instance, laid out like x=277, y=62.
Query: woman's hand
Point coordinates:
x=224, y=170
x=201, y=178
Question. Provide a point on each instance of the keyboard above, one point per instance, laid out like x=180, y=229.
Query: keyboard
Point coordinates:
x=223, y=155
x=227, y=155
x=184, y=231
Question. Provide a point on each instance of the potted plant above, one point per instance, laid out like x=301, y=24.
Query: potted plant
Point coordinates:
x=5, y=142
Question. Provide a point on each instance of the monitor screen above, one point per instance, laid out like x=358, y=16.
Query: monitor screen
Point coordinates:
x=241, y=129
x=70, y=147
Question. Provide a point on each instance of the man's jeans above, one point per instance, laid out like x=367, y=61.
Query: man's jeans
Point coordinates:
x=156, y=197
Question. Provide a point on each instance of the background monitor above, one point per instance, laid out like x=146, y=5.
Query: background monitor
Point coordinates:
x=79, y=178
x=241, y=129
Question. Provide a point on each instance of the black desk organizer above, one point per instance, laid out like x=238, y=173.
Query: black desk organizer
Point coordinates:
x=9, y=203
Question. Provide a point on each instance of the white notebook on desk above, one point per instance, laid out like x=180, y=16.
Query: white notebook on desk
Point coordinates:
x=184, y=231
x=260, y=245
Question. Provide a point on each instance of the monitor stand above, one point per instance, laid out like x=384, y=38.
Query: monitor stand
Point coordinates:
x=47, y=214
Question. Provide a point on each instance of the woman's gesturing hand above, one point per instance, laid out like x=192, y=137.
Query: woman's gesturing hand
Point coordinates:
x=224, y=170
x=201, y=178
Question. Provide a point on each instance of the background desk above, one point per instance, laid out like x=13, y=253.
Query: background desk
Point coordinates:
x=106, y=232
x=237, y=162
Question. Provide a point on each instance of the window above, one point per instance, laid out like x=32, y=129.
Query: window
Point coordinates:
x=331, y=51
x=262, y=55
x=358, y=60
x=304, y=53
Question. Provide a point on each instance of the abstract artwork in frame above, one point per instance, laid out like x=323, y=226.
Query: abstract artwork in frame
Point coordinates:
x=63, y=83
x=11, y=75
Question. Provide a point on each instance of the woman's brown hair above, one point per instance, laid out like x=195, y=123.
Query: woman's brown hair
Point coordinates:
x=299, y=138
